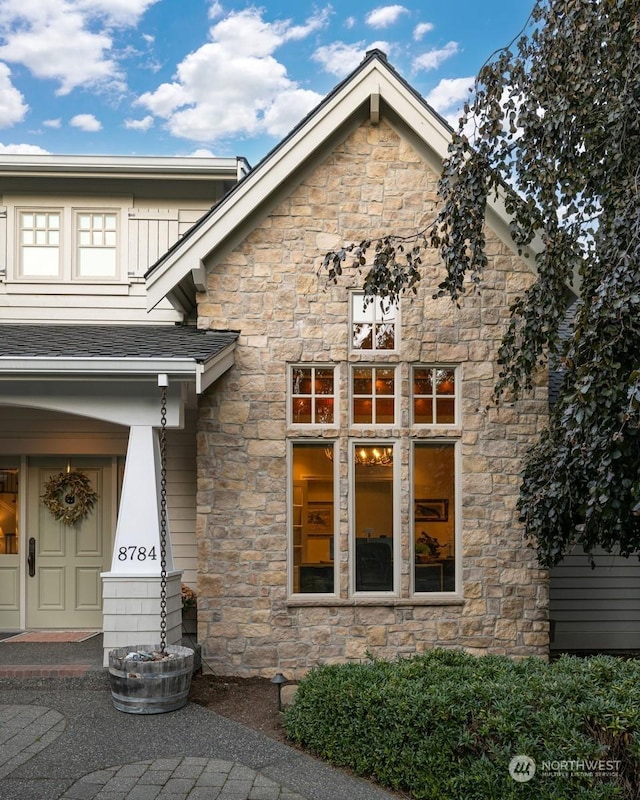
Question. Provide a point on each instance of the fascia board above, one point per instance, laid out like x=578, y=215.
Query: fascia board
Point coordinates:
x=95, y=367
x=122, y=166
x=210, y=372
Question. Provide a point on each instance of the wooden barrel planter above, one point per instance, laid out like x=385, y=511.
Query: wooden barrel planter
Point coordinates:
x=150, y=687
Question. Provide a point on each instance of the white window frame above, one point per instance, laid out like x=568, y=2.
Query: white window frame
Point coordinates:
x=76, y=214
x=311, y=596
x=68, y=273
x=313, y=396
x=397, y=532
x=456, y=396
x=23, y=211
x=375, y=308
x=457, y=506
x=353, y=396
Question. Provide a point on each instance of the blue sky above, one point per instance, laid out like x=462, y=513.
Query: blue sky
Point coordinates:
x=184, y=77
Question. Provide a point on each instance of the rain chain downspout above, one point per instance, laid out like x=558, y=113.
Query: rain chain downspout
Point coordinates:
x=163, y=382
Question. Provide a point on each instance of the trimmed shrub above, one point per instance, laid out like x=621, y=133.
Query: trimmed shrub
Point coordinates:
x=445, y=725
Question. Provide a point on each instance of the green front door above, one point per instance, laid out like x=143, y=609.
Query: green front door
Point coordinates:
x=64, y=587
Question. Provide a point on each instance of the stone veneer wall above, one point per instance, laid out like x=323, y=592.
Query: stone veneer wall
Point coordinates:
x=268, y=288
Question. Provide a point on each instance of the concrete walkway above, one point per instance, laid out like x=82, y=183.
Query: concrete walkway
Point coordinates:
x=62, y=739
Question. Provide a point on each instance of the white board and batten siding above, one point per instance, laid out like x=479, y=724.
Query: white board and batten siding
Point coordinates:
x=152, y=231
x=149, y=232
x=595, y=609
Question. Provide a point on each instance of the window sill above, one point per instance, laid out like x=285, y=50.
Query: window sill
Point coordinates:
x=324, y=601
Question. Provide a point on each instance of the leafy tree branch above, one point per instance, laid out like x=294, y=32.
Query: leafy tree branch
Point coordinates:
x=553, y=125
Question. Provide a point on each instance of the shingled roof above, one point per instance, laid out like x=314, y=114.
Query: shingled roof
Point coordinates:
x=113, y=341
x=108, y=351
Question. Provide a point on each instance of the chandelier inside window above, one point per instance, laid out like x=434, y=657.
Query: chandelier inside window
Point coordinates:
x=369, y=456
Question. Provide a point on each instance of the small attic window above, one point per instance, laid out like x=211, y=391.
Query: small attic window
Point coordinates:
x=374, y=324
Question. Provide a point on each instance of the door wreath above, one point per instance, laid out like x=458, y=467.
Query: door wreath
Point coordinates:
x=69, y=497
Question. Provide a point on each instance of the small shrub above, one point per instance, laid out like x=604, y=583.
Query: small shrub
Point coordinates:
x=445, y=725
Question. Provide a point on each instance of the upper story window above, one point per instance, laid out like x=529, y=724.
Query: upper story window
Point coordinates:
x=96, y=244
x=67, y=244
x=374, y=324
x=312, y=395
x=434, y=395
x=39, y=236
x=373, y=395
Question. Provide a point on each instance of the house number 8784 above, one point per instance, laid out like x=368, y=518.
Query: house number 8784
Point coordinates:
x=135, y=553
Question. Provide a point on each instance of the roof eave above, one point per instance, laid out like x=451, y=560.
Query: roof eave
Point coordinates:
x=202, y=372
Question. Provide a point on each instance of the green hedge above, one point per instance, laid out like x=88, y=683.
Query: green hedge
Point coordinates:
x=445, y=725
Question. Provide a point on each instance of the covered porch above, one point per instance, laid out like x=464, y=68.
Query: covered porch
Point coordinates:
x=86, y=399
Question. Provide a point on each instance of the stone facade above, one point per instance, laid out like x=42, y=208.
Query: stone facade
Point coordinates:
x=268, y=288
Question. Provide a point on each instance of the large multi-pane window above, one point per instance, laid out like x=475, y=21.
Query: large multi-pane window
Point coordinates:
x=373, y=395
x=67, y=244
x=434, y=516
x=373, y=323
x=373, y=517
x=39, y=236
x=312, y=515
x=312, y=395
x=96, y=244
x=372, y=470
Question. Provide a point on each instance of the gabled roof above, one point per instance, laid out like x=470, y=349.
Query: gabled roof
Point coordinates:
x=123, y=350
x=374, y=90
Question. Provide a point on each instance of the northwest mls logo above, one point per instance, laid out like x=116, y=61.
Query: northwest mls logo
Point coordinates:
x=522, y=768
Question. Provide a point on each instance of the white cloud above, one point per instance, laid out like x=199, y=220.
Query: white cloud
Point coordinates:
x=68, y=41
x=215, y=10
x=115, y=12
x=86, y=122
x=421, y=29
x=340, y=59
x=12, y=106
x=139, y=124
x=383, y=16
x=22, y=149
x=449, y=96
x=349, y=22
x=284, y=112
x=234, y=85
x=433, y=58
x=52, y=123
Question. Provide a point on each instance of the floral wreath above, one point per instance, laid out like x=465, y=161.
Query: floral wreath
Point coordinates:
x=69, y=497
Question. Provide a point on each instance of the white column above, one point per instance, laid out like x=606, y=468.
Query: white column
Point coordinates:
x=137, y=545
x=131, y=590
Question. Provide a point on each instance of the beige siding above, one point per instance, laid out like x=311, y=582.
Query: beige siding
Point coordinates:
x=596, y=609
x=181, y=497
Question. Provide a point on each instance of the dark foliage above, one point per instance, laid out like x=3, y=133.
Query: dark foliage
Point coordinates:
x=446, y=724
x=555, y=118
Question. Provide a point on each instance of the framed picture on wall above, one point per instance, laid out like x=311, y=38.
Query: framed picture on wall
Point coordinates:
x=431, y=510
x=319, y=518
